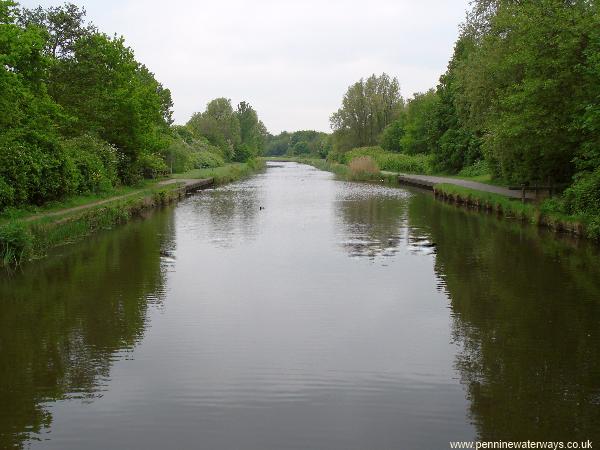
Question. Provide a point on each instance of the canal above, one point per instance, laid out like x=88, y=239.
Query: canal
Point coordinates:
x=295, y=311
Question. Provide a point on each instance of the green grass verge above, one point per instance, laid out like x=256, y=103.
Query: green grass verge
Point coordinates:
x=11, y=214
x=541, y=214
x=24, y=240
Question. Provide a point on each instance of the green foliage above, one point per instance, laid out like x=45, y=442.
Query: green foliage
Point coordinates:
x=95, y=162
x=150, y=165
x=525, y=84
x=252, y=133
x=476, y=169
x=392, y=134
x=207, y=159
x=133, y=115
x=367, y=108
x=178, y=156
x=15, y=243
x=583, y=196
x=303, y=142
x=219, y=124
x=419, y=129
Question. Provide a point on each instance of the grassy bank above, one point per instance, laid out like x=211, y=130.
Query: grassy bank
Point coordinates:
x=24, y=236
x=541, y=215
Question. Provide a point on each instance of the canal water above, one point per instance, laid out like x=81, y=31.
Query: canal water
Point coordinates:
x=295, y=311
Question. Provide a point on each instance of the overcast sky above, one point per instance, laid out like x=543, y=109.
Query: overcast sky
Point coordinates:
x=292, y=60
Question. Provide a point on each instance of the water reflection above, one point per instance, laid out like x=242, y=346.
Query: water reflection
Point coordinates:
x=64, y=319
x=526, y=312
x=371, y=219
x=230, y=210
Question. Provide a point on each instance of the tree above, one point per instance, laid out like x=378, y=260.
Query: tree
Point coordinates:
x=525, y=84
x=219, y=124
x=33, y=167
x=367, y=108
x=457, y=135
x=392, y=134
x=64, y=26
x=252, y=131
x=108, y=93
x=419, y=129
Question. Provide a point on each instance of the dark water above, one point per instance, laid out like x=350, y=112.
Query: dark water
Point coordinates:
x=340, y=316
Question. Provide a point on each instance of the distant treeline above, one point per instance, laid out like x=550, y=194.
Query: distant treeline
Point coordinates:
x=79, y=114
x=298, y=143
x=520, y=100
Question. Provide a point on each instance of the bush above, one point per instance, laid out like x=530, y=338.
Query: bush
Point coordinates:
x=243, y=153
x=373, y=152
x=208, y=160
x=179, y=156
x=399, y=162
x=151, y=165
x=95, y=162
x=36, y=172
x=477, y=169
x=583, y=196
x=7, y=194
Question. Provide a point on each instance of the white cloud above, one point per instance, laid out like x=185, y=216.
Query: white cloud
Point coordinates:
x=292, y=60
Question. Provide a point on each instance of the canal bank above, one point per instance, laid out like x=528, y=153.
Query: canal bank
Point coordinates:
x=31, y=236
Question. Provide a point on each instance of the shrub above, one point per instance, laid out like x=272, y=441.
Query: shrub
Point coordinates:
x=7, y=194
x=399, y=162
x=373, y=152
x=478, y=168
x=208, y=160
x=243, y=153
x=95, y=162
x=151, y=165
x=36, y=172
x=179, y=156
x=583, y=196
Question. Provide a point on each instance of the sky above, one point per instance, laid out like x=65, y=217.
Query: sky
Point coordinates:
x=291, y=60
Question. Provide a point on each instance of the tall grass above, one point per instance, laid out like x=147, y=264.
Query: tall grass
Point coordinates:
x=16, y=243
x=363, y=168
x=393, y=162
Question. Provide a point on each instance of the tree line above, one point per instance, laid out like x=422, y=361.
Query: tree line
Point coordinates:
x=79, y=114
x=520, y=99
x=298, y=143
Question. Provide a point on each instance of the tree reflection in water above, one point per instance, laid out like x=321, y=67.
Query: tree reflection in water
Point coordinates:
x=63, y=320
x=526, y=311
